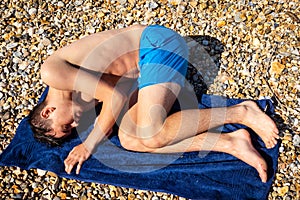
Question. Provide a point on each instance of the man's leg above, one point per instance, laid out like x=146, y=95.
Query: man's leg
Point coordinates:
x=146, y=127
x=148, y=119
x=237, y=143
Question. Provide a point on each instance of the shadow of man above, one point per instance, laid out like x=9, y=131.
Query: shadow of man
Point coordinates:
x=204, y=61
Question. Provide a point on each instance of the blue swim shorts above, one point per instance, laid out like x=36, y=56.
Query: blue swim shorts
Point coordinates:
x=163, y=57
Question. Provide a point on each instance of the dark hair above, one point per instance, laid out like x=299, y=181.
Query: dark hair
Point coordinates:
x=41, y=126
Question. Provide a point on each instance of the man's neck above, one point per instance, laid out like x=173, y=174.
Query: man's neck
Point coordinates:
x=58, y=95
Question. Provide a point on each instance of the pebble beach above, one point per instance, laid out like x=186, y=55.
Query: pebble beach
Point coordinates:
x=254, y=44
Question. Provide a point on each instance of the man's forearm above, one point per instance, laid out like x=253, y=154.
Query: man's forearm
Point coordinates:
x=105, y=121
x=94, y=138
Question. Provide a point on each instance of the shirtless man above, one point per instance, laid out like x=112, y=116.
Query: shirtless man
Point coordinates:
x=104, y=65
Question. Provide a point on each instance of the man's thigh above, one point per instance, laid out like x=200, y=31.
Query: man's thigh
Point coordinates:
x=154, y=103
x=149, y=108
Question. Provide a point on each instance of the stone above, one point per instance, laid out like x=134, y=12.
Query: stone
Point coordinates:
x=174, y=2
x=221, y=23
x=32, y=11
x=193, y=3
x=203, y=6
x=131, y=196
x=12, y=45
x=283, y=190
x=205, y=42
x=90, y=29
x=132, y=2
x=6, y=116
x=41, y=172
x=46, y=42
x=23, y=65
x=240, y=17
x=78, y=3
x=155, y=198
x=296, y=140
x=256, y=42
x=60, y=4
x=153, y=5
x=276, y=68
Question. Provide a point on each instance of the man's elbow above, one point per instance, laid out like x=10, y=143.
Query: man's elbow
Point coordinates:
x=49, y=70
x=45, y=74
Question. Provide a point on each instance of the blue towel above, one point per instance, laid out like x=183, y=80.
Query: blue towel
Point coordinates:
x=193, y=175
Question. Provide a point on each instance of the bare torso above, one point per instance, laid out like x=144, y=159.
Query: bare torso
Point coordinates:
x=113, y=52
x=110, y=55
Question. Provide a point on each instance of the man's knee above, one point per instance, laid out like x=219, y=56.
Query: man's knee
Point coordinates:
x=131, y=143
x=152, y=138
x=141, y=144
x=152, y=143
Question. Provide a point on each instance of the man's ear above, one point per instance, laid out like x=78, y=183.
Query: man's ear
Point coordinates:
x=46, y=112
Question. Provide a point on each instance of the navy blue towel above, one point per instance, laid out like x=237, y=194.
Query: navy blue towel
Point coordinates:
x=194, y=175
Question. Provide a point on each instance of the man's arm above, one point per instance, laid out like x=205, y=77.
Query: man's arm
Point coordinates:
x=110, y=110
x=62, y=75
x=59, y=74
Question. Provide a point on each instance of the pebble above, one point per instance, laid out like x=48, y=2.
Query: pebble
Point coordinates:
x=239, y=17
x=60, y=4
x=32, y=11
x=221, y=23
x=41, y=172
x=276, y=68
x=78, y=3
x=283, y=190
x=12, y=45
x=256, y=42
x=6, y=116
x=296, y=140
x=257, y=56
x=46, y=42
x=153, y=5
x=205, y=42
x=281, y=149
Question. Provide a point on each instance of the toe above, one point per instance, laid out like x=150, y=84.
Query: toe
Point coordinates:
x=263, y=175
x=267, y=145
x=276, y=131
x=276, y=136
x=262, y=171
x=274, y=142
x=270, y=144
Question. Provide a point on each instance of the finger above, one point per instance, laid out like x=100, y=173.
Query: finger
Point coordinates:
x=69, y=168
x=78, y=167
x=68, y=160
x=72, y=150
x=70, y=157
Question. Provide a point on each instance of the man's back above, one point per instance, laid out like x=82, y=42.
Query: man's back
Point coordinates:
x=112, y=52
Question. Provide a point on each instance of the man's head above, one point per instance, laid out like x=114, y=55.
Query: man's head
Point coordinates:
x=52, y=123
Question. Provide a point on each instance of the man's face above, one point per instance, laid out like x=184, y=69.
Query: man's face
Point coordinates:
x=65, y=118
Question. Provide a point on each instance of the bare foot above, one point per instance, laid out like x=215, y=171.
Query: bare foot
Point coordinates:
x=260, y=123
x=243, y=149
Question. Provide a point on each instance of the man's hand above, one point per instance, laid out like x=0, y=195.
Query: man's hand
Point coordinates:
x=78, y=155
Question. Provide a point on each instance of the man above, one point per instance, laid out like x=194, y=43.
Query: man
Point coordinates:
x=104, y=67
